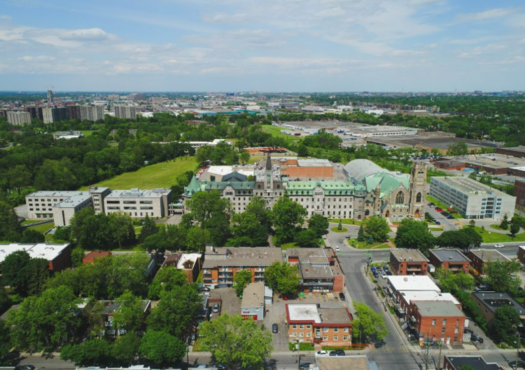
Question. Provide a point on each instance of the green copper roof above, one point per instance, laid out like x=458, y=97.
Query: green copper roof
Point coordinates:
x=387, y=182
x=192, y=187
x=329, y=187
x=236, y=185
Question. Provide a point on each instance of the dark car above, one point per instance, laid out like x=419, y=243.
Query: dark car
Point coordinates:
x=389, y=273
x=342, y=297
x=221, y=367
x=450, y=217
x=275, y=328
x=25, y=367
x=337, y=352
x=305, y=365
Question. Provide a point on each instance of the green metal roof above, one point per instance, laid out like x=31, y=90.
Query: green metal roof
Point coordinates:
x=387, y=182
x=329, y=187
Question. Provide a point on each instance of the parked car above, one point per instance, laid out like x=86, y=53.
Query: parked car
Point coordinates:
x=216, y=308
x=374, y=270
x=431, y=204
x=481, y=288
x=275, y=328
x=383, y=275
x=450, y=217
x=337, y=249
x=25, y=367
x=342, y=296
x=305, y=365
x=337, y=352
x=498, y=246
x=389, y=273
x=385, y=268
x=439, y=209
x=322, y=353
x=375, y=275
x=437, y=222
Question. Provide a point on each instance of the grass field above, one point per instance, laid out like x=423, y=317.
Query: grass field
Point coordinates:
x=335, y=230
x=160, y=175
x=491, y=237
x=276, y=131
x=30, y=222
x=43, y=228
x=87, y=133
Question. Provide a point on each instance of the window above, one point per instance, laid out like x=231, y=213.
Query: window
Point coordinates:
x=418, y=198
x=456, y=331
x=336, y=330
x=295, y=327
x=301, y=326
x=325, y=330
x=443, y=331
x=308, y=327
x=336, y=337
x=345, y=338
x=325, y=338
x=345, y=330
x=433, y=322
x=295, y=335
x=400, y=198
x=308, y=334
x=301, y=334
x=444, y=322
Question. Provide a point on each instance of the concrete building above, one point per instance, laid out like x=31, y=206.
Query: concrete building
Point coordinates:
x=319, y=269
x=58, y=256
x=481, y=257
x=67, y=135
x=451, y=259
x=73, y=112
x=19, y=118
x=252, y=305
x=398, y=285
x=138, y=203
x=472, y=199
x=125, y=111
x=440, y=321
x=36, y=112
x=408, y=262
x=308, y=323
x=368, y=190
x=91, y=113
x=221, y=264
x=475, y=362
x=51, y=115
x=218, y=173
x=98, y=194
x=189, y=263
x=60, y=206
x=489, y=302
x=519, y=193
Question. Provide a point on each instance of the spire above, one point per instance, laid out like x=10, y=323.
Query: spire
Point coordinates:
x=268, y=163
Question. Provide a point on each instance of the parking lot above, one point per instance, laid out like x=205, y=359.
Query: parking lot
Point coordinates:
x=231, y=304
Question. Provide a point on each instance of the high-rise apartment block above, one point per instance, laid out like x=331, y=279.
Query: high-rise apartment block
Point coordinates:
x=91, y=113
x=19, y=118
x=51, y=115
x=125, y=111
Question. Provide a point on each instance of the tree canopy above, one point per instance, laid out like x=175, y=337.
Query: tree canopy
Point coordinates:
x=287, y=215
x=282, y=277
x=414, y=234
x=368, y=324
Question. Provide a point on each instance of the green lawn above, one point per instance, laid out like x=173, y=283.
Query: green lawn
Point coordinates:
x=335, y=230
x=442, y=205
x=364, y=245
x=87, y=133
x=43, y=228
x=30, y=222
x=160, y=175
x=276, y=131
x=345, y=221
x=288, y=246
x=491, y=237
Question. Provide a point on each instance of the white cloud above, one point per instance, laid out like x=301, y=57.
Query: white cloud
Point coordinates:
x=5, y=18
x=41, y=58
x=226, y=18
x=92, y=34
x=482, y=50
x=485, y=15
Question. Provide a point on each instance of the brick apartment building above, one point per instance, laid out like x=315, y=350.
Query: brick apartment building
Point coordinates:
x=58, y=256
x=221, y=264
x=480, y=258
x=489, y=302
x=519, y=193
x=189, y=263
x=450, y=259
x=437, y=321
x=408, y=262
x=521, y=254
x=311, y=324
x=319, y=269
x=403, y=302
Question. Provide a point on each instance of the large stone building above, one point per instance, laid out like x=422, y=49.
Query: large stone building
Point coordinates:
x=367, y=190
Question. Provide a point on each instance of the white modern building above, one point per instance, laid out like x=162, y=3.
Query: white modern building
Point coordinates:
x=19, y=118
x=472, y=199
x=60, y=206
x=138, y=203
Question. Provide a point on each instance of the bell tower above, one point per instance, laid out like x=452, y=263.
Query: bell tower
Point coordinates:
x=418, y=183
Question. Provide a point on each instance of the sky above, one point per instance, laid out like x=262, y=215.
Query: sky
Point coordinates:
x=262, y=45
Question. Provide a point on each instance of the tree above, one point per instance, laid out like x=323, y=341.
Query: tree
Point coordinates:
x=361, y=234
x=30, y=236
x=241, y=280
x=14, y=272
x=121, y=227
x=307, y=238
x=5, y=341
x=319, y=224
x=287, y=215
x=130, y=314
x=5, y=301
x=77, y=256
x=376, y=228
x=464, y=239
x=148, y=228
x=126, y=348
x=514, y=229
x=162, y=348
x=466, y=367
x=500, y=276
x=45, y=321
x=37, y=273
x=369, y=324
x=212, y=213
x=91, y=352
x=282, y=277
x=302, y=150
x=412, y=234
x=504, y=223
x=165, y=281
x=19, y=177
x=248, y=231
x=452, y=283
x=505, y=324
x=62, y=233
x=236, y=342
x=196, y=239
x=55, y=175
x=9, y=225
x=176, y=312
x=257, y=207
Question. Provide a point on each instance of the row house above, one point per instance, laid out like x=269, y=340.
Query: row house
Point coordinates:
x=481, y=257
x=450, y=259
x=408, y=262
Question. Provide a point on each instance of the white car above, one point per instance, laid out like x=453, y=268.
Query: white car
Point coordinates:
x=498, y=246
x=321, y=353
x=383, y=275
x=337, y=249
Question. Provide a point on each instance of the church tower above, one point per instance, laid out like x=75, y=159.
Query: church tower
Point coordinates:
x=418, y=183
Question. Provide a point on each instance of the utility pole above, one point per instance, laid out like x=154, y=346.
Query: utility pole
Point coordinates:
x=439, y=358
x=517, y=351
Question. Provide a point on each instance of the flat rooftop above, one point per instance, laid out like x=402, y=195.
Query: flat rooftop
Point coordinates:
x=314, y=163
x=439, y=308
x=518, y=149
x=489, y=255
x=334, y=316
x=53, y=193
x=427, y=295
x=242, y=256
x=303, y=312
x=343, y=363
x=253, y=295
x=138, y=193
x=74, y=200
x=408, y=255
x=408, y=282
x=492, y=160
x=495, y=300
x=468, y=186
x=477, y=362
x=42, y=250
x=224, y=170
x=449, y=255
x=187, y=261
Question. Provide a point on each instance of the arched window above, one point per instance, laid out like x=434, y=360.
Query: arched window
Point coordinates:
x=418, y=198
x=400, y=198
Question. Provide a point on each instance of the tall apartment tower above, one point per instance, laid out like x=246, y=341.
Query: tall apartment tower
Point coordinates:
x=91, y=113
x=50, y=96
x=125, y=111
x=418, y=177
x=19, y=118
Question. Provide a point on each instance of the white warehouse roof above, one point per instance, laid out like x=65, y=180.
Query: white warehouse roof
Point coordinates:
x=412, y=283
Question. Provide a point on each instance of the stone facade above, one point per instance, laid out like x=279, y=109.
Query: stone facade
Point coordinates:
x=383, y=193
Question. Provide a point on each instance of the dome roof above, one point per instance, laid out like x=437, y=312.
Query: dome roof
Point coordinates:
x=360, y=168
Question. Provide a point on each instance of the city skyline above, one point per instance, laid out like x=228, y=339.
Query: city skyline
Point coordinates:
x=280, y=46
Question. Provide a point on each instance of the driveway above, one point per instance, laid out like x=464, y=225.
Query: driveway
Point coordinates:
x=231, y=304
x=276, y=314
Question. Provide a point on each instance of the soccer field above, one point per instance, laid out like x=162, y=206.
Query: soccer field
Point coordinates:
x=160, y=175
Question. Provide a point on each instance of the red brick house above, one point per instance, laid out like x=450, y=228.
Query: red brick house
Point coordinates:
x=450, y=259
x=408, y=262
x=437, y=321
